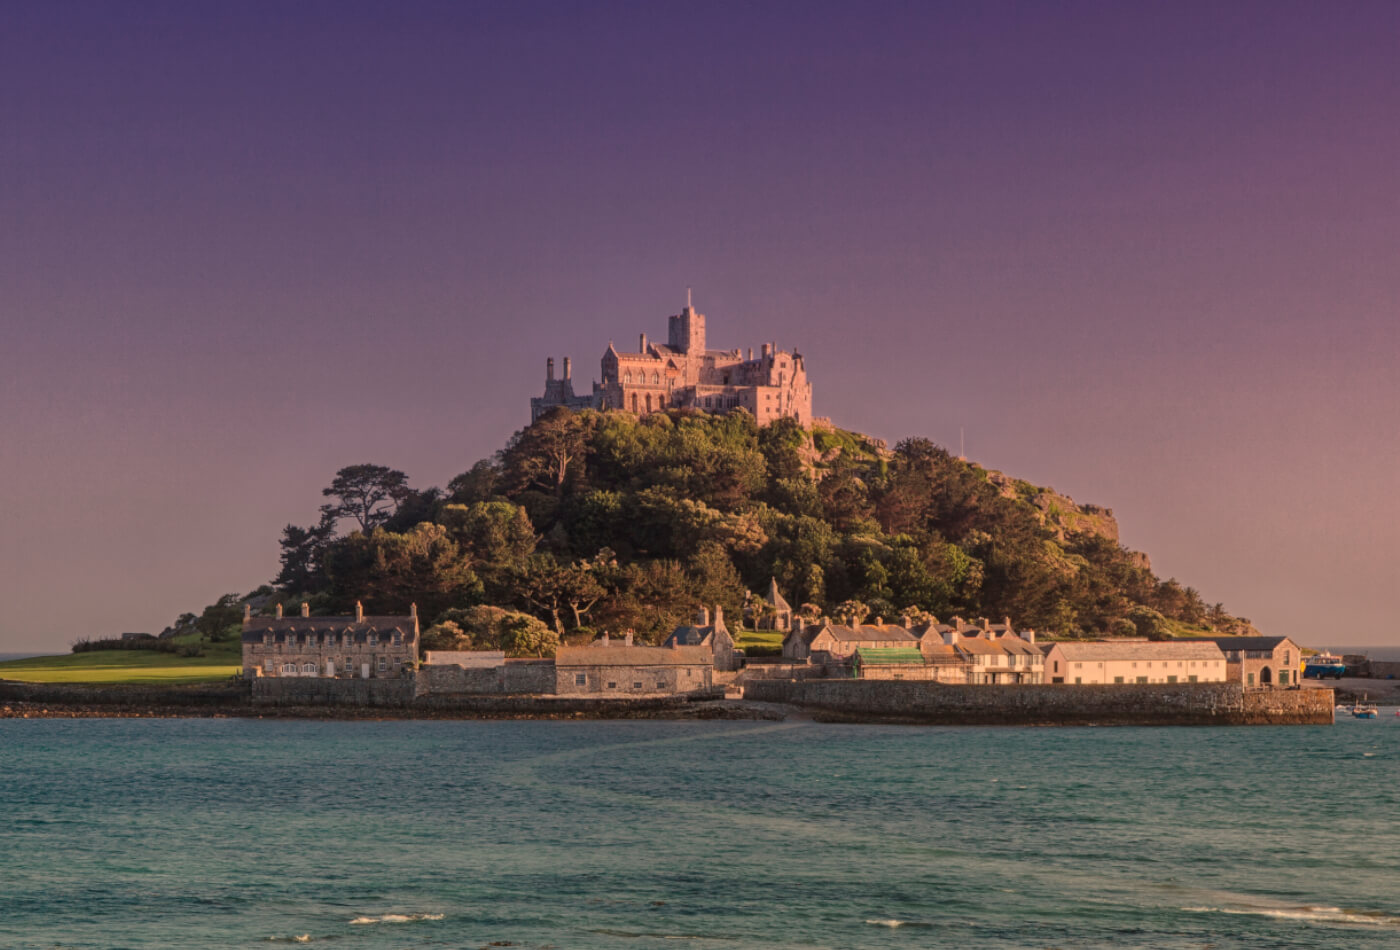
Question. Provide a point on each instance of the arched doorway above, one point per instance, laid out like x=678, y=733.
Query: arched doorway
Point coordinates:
x=1266, y=677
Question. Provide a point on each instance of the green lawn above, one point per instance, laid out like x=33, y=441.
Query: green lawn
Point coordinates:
x=764, y=640
x=128, y=666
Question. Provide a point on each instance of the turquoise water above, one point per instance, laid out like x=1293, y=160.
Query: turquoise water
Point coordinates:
x=250, y=833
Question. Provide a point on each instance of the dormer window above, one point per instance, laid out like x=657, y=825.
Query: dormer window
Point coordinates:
x=373, y=639
x=398, y=638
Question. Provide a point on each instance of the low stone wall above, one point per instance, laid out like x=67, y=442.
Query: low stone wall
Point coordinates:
x=510, y=677
x=1383, y=669
x=1131, y=704
x=310, y=691
x=74, y=694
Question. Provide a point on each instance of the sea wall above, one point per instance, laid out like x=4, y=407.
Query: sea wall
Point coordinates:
x=1129, y=704
x=311, y=691
x=75, y=694
x=513, y=676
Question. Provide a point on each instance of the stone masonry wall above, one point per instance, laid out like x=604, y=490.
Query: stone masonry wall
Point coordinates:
x=1164, y=704
x=290, y=691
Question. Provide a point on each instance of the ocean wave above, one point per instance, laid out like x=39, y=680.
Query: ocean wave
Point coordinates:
x=395, y=918
x=1309, y=913
x=893, y=922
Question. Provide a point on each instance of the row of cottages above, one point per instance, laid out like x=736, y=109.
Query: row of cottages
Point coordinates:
x=957, y=652
x=1097, y=662
x=357, y=647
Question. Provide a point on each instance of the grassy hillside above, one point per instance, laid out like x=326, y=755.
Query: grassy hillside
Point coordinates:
x=220, y=661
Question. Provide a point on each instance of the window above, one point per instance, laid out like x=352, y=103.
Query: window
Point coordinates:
x=350, y=665
x=1078, y=680
x=637, y=685
x=612, y=686
x=1142, y=679
x=289, y=667
x=655, y=379
x=383, y=664
x=1171, y=679
x=1191, y=679
x=267, y=667
x=580, y=679
x=398, y=638
x=373, y=639
x=627, y=379
x=1117, y=679
x=308, y=668
x=660, y=685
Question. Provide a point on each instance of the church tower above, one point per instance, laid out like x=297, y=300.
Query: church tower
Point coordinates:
x=687, y=330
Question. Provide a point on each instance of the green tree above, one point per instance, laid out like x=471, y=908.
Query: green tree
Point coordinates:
x=369, y=495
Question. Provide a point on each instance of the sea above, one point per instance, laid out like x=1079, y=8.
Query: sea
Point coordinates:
x=180, y=833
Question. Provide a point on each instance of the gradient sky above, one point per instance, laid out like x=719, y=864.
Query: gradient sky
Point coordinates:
x=1148, y=254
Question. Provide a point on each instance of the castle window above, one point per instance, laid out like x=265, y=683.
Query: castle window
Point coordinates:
x=655, y=379
x=634, y=402
x=289, y=667
x=308, y=667
x=627, y=378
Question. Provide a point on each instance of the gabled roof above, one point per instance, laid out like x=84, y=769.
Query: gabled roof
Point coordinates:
x=775, y=598
x=256, y=629
x=1265, y=644
x=635, y=656
x=689, y=636
x=1014, y=644
x=864, y=632
x=1095, y=650
x=978, y=647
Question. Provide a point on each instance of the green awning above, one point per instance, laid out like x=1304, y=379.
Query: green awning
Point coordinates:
x=889, y=656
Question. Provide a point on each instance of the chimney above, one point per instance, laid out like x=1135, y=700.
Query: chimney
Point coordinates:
x=413, y=612
x=908, y=621
x=305, y=609
x=675, y=644
x=1028, y=636
x=248, y=612
x=549, y=369
x=750, y=354
x=797, y=624
x=767, y=349
x=642, y=345
x=879, y=621
x=359, y=612
x=628, y=640
x=279, y=611
x=719, y=615
x=953, y=637
x=568, y=368
x=605, y=638
x=702, y=617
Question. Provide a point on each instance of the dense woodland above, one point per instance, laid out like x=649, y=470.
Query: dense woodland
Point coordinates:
x=595, y=521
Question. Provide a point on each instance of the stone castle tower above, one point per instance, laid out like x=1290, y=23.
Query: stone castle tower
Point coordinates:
x=683, y=374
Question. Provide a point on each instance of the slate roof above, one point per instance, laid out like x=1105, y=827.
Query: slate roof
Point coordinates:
x=1266, y=644
x=635, y=656
x=688, y=636
x=299, y=628
x=865, y=631
x=775, y=598
x=1138, y=650
x=1014, y=644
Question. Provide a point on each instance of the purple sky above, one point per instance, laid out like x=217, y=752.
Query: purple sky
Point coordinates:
x=1146, y=254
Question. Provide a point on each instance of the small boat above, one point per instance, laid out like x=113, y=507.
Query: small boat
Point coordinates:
x=1365, y=710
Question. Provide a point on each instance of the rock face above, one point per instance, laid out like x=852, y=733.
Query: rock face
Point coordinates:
x=1060, y=513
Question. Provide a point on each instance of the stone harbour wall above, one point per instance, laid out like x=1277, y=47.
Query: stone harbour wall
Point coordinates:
x=311, y=691
x=1130, y=704
x=75, y=694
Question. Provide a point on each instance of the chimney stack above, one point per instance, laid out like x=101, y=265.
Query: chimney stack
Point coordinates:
x=549, y=369
x=247, y=612
x=750, y=354
x=879, y=621
x=279, y=611
x=605, y=638
x=719, y=615
x=642, y=346
x=305, y=609
x=568, y=368
x=702, y=617
x=908, y=621
x=797, y=624
x=628, y=640
x=1028, y=635
x=359, y=612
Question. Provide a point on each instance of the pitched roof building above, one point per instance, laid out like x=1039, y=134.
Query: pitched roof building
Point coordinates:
x=683, y=373
x=714, y=636
x=357, y=647
x=1134, y=661
x=632, y=670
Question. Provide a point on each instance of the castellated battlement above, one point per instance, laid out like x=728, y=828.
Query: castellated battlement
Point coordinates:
x=684, y=374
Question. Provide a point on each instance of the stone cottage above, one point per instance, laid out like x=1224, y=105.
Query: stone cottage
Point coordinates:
x=714, y=636
x=1270, y=662
x=357, y=647
x=827, y=643
x=632, y=670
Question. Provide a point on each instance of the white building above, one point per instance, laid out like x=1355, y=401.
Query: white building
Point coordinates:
x=1133, y=661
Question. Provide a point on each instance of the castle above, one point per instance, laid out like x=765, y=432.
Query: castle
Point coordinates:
x=683, y=374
